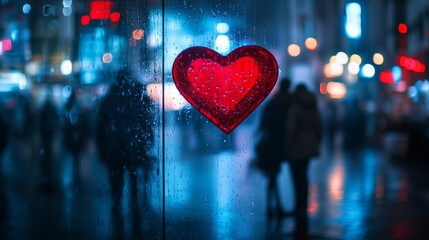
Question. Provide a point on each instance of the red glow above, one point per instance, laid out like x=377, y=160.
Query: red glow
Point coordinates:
x=85, y=20
x=7, y=45
x=402, y=28
x=225, y=89
x=411, y=64
x=101, y=5
x=100, y=10
x=403, y=61
x=386, y=77
x=101, y=14
x=115, y=16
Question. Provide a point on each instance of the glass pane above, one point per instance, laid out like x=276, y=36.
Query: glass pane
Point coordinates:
x=83, y=153
x=209, y=183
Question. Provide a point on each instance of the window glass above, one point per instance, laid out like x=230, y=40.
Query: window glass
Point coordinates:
x=99, y=141
x=208, y=179
x=82, y=156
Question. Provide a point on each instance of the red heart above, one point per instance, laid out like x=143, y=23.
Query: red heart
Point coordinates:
x=225, y=89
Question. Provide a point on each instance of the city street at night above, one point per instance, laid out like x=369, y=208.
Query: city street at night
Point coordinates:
x=360, y=194
x=218, y=119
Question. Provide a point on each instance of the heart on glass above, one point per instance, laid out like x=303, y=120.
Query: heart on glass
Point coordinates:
x=225, y=89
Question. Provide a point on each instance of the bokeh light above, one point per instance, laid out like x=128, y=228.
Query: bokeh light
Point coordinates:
x=342, y=57
x=311, y=43
x=353, y=68
x=85, y=20
x=402, y=28
x=115, y=16
x=333, y=70
x=26, y=8
x=322, y=88
x=173, y=99
x=401, y=86
x=293, y=50
x=377, y=58
x=138, y=34
x=222, y=28
x=353, y=20
x=386, y=77
x=107, y=58
x=356, y=58
x=222, y=44
x=396, y=73
x=336, y=89
x=368, y=71
x=66, y=67
x=67, y=11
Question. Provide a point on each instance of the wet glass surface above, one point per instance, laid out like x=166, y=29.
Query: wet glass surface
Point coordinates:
x=97, y=142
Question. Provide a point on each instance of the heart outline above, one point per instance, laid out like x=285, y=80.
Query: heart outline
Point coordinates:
x=265, y=82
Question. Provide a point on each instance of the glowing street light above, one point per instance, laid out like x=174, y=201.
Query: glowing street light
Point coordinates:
x=332, y=70
x=336, y=89
x=353, y=68
x=368, y=71
x=66, y=67
x=311, y=43
x=342, y=57
x=356, y=58
x=377, y=58
x=293, y=50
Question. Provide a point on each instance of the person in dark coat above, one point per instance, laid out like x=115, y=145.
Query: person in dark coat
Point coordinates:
x=124, y=140
x=270, y=148
x=48, y=127
x=75, y=134
x=303, y=136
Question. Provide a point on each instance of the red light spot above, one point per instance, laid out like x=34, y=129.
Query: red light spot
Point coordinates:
x=386, y=77
x=421, y=68
x=412, y=65
x=101, y=5
x=403, y=61
x=7, y=45
x=100, y=10
x=402, y=28
x=100, y=14
x=85, y=20
x=115, y=16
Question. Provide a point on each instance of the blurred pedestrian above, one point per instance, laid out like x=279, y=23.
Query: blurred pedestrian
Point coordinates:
x=75, y=134
x=48, y=126
x=124, y=141
x=303, y=137
x=269, y=150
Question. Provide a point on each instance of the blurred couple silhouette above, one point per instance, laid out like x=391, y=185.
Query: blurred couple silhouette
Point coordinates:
x=289, y=131
x=125, y=137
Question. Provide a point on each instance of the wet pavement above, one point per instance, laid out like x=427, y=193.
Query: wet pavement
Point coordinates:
x=353, y=195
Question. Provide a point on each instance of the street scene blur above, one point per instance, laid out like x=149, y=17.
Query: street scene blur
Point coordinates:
x=96, y=141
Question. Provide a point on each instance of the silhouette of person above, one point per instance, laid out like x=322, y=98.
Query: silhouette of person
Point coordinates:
x=74, y=134
x=48, y=127
x=124, y=140
x=303, y=136
x=270, y=151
